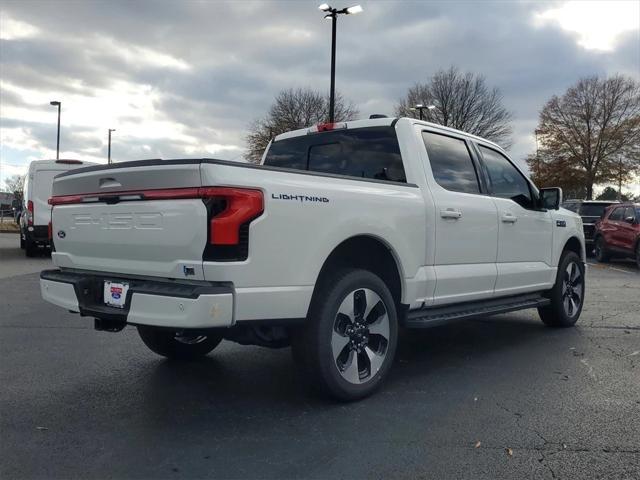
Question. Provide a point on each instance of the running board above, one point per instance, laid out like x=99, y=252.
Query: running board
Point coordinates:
x=427, y=317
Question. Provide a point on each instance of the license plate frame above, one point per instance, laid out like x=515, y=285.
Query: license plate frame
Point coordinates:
x=115, y=294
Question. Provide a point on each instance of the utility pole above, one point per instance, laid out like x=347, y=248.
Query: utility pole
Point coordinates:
x=619, y=178
x=58, y=104
x=109, y=150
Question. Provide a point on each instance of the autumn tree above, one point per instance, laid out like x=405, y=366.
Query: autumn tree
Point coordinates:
x=463, y=101
x=293, y=109
x=592, y=132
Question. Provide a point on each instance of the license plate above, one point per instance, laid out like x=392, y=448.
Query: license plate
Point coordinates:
x=115, y=293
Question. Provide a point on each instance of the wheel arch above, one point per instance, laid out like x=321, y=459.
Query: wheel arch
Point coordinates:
x=368, y=252
x=573, y=244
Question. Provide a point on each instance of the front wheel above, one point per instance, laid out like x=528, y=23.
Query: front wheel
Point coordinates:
x=349, y=341
x=567, y=294
x=638, y=254
x=178, y=344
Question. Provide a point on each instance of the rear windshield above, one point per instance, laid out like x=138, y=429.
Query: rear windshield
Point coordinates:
x=592, y=210
x=371, y=152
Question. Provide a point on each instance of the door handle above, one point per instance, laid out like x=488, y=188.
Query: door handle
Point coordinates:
x=450, y=213
x=509, y=217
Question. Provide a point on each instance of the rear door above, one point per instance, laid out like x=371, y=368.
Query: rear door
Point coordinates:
x=611, y=228
x=466, y=228
x=131, y=220
x=41, y=184
x=628, y=229
x=525, y=233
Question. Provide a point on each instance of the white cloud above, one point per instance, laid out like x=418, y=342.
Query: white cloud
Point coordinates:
x=12, y=29
x=596, y=24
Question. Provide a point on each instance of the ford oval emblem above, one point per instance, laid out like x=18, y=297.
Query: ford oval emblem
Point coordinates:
x=61, y=234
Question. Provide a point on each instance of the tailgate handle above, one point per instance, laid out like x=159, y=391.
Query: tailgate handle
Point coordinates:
x=109, y=183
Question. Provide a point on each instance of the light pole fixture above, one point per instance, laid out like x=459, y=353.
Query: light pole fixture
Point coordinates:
x=109, y=150
x=420, y=107
x=333, y=13
x=58, y=104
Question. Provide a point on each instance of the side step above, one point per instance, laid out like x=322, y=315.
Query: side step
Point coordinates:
x=427, y=317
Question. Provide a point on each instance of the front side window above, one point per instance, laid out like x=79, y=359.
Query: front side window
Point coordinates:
x=506, y=180
x=451, y=163
x=371, y=152
x=629, y=213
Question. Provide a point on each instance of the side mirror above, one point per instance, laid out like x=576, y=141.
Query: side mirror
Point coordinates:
x=630, y=220
x=551, y=198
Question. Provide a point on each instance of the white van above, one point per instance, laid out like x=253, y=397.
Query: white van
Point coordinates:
x=36, y=211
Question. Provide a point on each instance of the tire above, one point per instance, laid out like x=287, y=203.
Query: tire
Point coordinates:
x=638, y=254
x=348, y=343
x=567, y=295
x=600, y=250
x=176, y=345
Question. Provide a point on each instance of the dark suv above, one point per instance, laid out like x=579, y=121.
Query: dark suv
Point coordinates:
x=618, y=233
x=591, y=211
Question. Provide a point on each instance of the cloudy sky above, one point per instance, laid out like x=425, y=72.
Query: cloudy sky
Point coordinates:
x=186, y=78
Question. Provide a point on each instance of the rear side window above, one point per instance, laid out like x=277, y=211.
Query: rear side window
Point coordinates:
x=506, y=180
x=451, y=163
x=616, y=214
x=371, y=152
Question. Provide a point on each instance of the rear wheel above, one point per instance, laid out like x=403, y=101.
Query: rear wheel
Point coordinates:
x=567, y=295
x=602, y=255
x=348, y=343
x=178, y=344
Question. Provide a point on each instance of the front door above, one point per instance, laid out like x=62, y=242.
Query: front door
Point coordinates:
x=466, y=225
x=525, y=238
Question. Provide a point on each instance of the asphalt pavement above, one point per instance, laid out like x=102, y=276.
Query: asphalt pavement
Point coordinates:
x=501, y=397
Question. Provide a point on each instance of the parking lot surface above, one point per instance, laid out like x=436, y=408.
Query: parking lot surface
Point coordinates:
x=501, y=397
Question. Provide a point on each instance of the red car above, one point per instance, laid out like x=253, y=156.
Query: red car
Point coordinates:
x=618, y=233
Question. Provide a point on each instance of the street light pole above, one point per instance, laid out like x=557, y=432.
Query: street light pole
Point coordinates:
x=58, y=104
x=536, y=131
x=333, y=15
x=109, y=149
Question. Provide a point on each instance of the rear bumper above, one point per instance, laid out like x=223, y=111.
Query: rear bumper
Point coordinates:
x=161, y=303
x=37, y=233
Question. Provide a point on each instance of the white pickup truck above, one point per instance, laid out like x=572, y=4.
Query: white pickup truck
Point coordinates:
x=346, y=232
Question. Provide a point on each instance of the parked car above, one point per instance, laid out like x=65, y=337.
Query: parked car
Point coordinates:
x=591, y=211
x=618, y=233
x=345, y=232
x=35, y=212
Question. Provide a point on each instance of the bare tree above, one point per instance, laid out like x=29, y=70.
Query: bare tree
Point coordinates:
x=293, y=109
x=14, y=183
x=462, y=101
x=594, y=129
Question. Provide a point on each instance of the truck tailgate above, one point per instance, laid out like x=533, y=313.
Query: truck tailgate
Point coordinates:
x=116, y=220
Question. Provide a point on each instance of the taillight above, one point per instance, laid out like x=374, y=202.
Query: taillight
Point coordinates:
x=241, y=206
x=230, y=211
x=29, y=212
